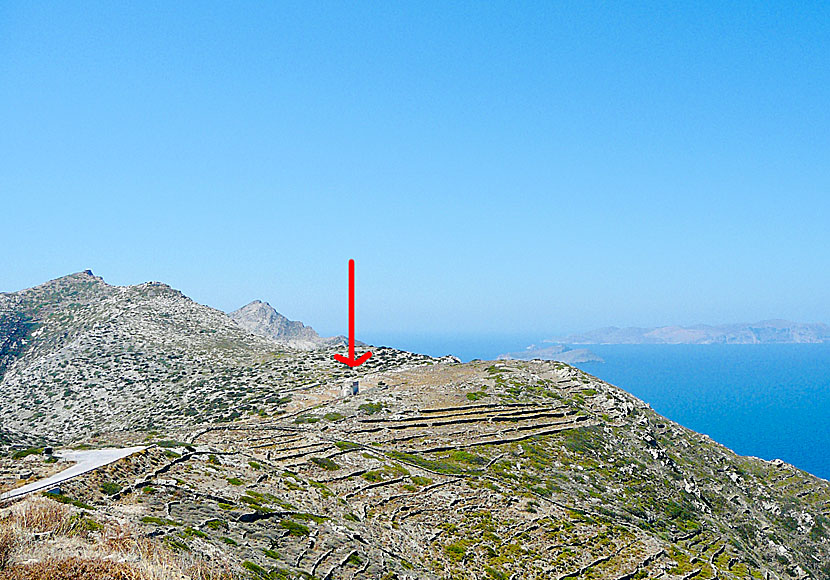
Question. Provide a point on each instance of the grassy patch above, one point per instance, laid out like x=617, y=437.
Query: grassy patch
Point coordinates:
x=306, y=419
x=158, y=521
x=217, y=524
x=167, y=443
x=294, y=528
x=26, y=452
x=110, y=487
x=371, y=408
x=466, y=457
x=456, y=551
x=325, y=463
x=191, y=532
x=256, y=569
x=68, y=500
x=354, y=559
x=432, y=465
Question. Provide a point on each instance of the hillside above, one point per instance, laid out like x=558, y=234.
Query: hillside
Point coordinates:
x=79, y=356
x=258, y=467
x=262, y=319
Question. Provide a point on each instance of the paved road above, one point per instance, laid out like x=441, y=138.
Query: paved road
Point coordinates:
x=84, y=461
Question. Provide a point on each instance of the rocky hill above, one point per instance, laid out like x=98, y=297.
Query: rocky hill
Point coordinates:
x=78, y=356
x=262, y=319
x=764, y=332
x=259, y=467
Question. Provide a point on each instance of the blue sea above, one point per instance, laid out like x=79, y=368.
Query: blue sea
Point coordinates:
x=769, y=400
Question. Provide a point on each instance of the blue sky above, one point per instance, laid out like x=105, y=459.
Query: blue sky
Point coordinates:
x=493, y=168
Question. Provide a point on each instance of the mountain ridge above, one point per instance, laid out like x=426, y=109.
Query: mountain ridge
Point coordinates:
x=774, y=331
x=262, y=319
x=76, y=351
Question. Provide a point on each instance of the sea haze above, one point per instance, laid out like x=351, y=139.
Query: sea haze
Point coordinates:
x=767, y=400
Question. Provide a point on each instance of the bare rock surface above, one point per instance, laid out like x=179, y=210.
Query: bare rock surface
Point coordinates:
x=262, y=319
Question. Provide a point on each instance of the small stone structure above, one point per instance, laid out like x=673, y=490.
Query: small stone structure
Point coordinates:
x=350, y=388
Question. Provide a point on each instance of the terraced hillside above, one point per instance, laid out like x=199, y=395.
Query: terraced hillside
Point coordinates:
x=259, y=467
x=483, y=470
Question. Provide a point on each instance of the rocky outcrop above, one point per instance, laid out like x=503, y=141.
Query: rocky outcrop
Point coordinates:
x=262, y=319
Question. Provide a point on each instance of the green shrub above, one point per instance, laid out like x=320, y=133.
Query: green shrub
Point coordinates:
x=294, y=528
x=158, y=521
x=26, y=452
x=371, y=408
x=217, y=524
x=168, y=443
x=110, y=487
x=325, y=463
x=306, y=419
x=68, y=500
x=467, y=457
x=190, y=532
x=455, y=551
x=256, y=569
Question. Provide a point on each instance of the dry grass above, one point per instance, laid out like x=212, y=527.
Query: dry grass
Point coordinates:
x=72, y=569
x=38, y=516
x=42, y=539
x=8, y=543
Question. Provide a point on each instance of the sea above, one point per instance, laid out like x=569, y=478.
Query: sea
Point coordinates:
x=766, y=400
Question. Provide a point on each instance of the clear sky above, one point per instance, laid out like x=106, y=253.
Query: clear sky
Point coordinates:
x=493, y=168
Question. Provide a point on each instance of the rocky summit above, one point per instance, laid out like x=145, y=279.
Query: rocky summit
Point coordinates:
x=257, y=465
x=262, y=319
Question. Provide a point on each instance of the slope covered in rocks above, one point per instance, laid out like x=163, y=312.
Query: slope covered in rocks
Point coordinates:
x=481, y=470
x=258, y=466
x=79, y=356
x=262, y=319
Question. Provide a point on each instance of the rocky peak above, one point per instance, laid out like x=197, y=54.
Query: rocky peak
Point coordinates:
x=262, y=319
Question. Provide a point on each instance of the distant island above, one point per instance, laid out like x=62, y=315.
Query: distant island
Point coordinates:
x=556, y=352
x=764, y=332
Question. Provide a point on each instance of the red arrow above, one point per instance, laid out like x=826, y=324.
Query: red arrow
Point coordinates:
x=351, y=361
